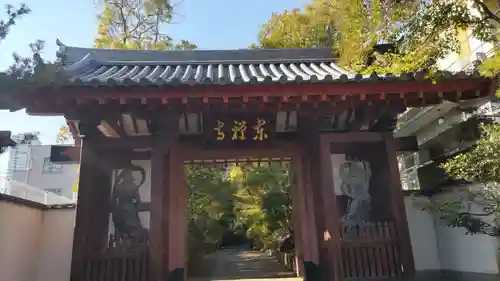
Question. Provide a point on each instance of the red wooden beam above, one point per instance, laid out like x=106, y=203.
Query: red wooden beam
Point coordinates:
x=226, y=92
x=124, y=143
x=352, y=137
x=277, y=150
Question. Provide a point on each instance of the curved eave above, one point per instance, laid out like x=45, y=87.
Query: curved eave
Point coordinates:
x=397, y=92
x=342, y=86
x=5, y=139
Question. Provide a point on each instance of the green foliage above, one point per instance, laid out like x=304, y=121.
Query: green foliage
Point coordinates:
x=20, y=65
x=313, y=27
x=28, y=72
x=13, y=14
x=264, y=202
x=210, y=205
x=136, y=25
x=24, y=67
x=491, y=68
x=64, y=135
x=363, y=24
x=480, y=165
x=350, y=28
x=253, y=197
x=21, y=74
x=423, y=31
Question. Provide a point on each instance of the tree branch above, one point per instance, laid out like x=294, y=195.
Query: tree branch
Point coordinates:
x=124, y=21
x=486, y=11
x=12, y=16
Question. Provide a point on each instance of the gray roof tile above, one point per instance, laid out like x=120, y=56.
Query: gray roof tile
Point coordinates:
x=198, y=67
x=110, y=67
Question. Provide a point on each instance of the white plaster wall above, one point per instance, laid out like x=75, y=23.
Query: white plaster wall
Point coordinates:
x=56, y=244
x=35, y=244
x=424, y=241
x=19, y=241
x=436, y=246
x=462, y=252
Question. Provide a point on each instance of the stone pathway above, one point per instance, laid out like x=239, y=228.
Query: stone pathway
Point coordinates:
x=237, y=264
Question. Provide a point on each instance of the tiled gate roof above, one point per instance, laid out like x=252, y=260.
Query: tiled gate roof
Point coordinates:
x=204, y=67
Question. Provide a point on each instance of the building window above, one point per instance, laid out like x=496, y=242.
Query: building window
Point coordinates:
x=408, y=167
x=57, y=191
x=49, y=167
x=409, y=179
x=18, y=161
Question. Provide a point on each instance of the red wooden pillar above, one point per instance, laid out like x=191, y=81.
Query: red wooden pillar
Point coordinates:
x=168, y=224
x=320, y=200
x=311, y=238
x=101, y=201
x=331, y=235
x=177, y=214
x=83, y=211
x=305, y=230
x=397, y=205
x=299, y=215
x=157, y=227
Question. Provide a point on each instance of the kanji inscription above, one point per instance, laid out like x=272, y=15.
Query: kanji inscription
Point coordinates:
x=239, y=129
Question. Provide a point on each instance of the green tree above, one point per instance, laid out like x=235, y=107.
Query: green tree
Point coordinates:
x=210, y=206
x=423, y=31
x=136, y=24
x=491, y=68
x=479, y=165
x=432, y=33
x=263, y=202
x=21, y=73
x=22, y=67
x=64, y=135
x=313, y=27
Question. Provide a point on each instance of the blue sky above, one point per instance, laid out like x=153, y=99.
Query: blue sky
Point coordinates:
x=215, y=24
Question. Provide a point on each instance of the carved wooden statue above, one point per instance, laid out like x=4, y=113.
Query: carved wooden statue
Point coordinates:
x=356, y=175
x=129, y=232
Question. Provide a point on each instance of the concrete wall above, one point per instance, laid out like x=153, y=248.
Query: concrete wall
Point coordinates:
x=437, y=247
x=35, y=242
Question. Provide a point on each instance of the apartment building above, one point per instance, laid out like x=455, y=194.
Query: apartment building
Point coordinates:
x=29, y=163
x=442, y=131
x=448, y=128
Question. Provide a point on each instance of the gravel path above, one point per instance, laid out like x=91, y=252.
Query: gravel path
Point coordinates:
x=237, y=264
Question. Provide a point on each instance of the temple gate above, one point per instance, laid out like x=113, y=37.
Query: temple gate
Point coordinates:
x=142, y=115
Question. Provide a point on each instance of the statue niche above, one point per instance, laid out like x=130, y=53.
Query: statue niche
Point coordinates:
x=126, y=204
x=355, y=175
